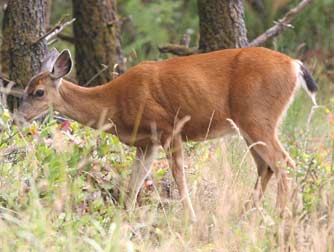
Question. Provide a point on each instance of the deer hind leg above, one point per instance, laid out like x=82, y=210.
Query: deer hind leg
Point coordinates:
x=142, y=168
x=175, y=156
x=277, y=159
x=264, y=175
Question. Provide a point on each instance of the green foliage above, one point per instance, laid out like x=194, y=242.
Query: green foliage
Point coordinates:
x=59, y=9
x=154, y=23
x=142, y=36
x=59, y=184
x=313, y=26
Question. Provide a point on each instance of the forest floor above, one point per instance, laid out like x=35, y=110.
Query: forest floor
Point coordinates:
x=61, y=187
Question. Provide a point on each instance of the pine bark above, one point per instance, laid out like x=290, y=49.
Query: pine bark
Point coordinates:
x=97, y=42
x=23, y=25
x=21, y=56
x=222, y=24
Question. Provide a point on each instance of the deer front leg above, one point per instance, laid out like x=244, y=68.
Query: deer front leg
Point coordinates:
x=141, y=169
x=175, y=156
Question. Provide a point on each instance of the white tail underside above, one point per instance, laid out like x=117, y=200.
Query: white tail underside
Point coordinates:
x=301, y=81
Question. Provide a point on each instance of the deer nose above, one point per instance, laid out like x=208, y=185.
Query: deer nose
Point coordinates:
x=19, y=118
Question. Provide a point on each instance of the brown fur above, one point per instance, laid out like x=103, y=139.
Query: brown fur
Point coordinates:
x=250, y=86
x=36, y=81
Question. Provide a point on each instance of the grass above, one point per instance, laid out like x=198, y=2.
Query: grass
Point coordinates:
x=60, y=191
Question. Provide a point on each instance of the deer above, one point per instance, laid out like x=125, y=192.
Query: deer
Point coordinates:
x=253, y=87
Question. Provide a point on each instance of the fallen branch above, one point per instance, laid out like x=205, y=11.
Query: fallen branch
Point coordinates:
x=62, y=24
x=179, y=50
x=51, y=42
x=5, y=79
x=7, y=87
x=11, y=91
x=280, y=25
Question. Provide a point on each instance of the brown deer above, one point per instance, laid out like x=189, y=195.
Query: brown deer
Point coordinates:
x=253, y=87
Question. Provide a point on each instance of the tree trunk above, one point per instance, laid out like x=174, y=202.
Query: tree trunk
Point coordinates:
x=222, y=24
x=23, y=25
x=96, y=33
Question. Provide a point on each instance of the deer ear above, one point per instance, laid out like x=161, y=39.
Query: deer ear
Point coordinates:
x=62, y=65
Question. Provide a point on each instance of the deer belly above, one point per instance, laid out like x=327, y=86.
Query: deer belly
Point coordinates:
x=198, y=131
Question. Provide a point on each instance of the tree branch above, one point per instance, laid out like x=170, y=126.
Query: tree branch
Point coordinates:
x=179, y=50
x=104, y=67
x=280, y=25
x=62, y=24
x=5, y=79
x=7, y=87
x=17, y=92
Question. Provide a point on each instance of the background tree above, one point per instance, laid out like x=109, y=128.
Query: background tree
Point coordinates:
x=97, y=43
x=21, y=50
x=221, y=24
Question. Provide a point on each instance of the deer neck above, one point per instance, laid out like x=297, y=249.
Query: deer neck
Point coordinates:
x=88, y=106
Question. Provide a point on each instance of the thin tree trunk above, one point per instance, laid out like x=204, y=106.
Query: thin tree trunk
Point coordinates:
x=23, y=24
x=222, y=24
x=96, y=33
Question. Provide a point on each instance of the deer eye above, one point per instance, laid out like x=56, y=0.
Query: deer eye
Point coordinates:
x=39, y=93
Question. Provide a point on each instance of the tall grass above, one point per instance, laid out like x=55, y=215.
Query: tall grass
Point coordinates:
x=61, y=191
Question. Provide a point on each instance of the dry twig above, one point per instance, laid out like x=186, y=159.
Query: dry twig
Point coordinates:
x=5, y=79
x=280, y=25
x=11, y=91
x=62, y=24
x=7, y=87
x=104, y=67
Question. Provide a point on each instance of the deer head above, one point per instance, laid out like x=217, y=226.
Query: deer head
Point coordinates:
x=42, y=90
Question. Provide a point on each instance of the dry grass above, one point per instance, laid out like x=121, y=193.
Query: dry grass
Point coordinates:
x=219, y=184
x=62, y=193
x=219, y=193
